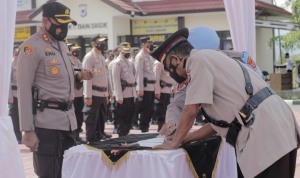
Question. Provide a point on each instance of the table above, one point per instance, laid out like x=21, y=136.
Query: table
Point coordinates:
x=84, y=161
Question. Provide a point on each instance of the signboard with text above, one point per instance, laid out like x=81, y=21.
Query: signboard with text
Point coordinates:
x=22, y=33
x=23, y=5
x=154, y=26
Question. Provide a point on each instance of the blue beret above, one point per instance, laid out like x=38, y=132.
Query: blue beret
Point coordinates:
x=204, y=38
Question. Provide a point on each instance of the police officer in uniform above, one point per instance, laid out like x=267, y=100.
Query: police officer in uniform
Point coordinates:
x=78, y=100
x=113, y=102
x=13, y=98
x=124, y=89
x=95, y=92
x=110, y=57
x=135, y=124
x=145, y=80
x=238, y=104
x=163, y=91
x=46, y=81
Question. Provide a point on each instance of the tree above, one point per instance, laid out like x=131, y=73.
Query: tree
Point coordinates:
x=291, y=40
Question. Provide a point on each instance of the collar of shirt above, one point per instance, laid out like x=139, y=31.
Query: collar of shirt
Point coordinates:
x=95, y=54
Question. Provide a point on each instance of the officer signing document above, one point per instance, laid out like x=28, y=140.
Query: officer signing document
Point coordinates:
x=46, y=91
x=238, y=104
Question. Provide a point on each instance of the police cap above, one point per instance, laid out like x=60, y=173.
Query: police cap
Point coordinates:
x=59, y=12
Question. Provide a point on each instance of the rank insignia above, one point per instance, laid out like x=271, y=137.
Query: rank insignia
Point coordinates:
x=99, y=70
x=46, y=38
x=54, y=70
x=251, y=62
x=53, y=61
x=27, y=50
x=141, y=58
x=48, y=49
x=96, y=60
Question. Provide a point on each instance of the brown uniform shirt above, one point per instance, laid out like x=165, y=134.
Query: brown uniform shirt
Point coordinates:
x=42, y=64
x=95, y=61
x=144, y=69
x=161, y=74
x=123, y=70
x=13, y=80
x=217, y=83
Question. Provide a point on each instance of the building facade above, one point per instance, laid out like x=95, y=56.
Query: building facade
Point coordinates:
x=127, y=20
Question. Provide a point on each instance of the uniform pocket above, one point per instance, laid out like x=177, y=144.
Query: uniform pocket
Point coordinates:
x=44, y=160
x=126, y=72
x=53, y=67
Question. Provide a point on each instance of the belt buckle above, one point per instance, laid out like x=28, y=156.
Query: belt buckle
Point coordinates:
x=249, y=120
x=69, y=105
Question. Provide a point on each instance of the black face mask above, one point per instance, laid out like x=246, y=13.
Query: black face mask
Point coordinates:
x=151, y=47
x=102, y=47
x=75, y=53
x=174, y=75
x=111, y=57
x=126, y=55
x=58, y=32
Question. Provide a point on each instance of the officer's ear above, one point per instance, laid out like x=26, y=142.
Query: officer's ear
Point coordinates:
x=45, y=21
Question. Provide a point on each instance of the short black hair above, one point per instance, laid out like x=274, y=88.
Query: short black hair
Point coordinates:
x=287, y=54
x=183, y=49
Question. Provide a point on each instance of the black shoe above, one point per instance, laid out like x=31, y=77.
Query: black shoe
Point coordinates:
x=135, y=127
x=154, y=122
x=79, y=141
x=122, y=135
x=101, y=137
x=115, y=131
x=160, y=125
x=93, y=142
x=107, y=135
x=145, y=130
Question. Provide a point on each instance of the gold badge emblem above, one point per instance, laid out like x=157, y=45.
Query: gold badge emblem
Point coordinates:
x=58, y=30
x=46, y=38
x=141, y=58
x=27, y=49
x=97, y=60
x=110, y=67
x=99, y=70
x=54, y=70
x=53, y=61
x=48, y=49
x=67, y=11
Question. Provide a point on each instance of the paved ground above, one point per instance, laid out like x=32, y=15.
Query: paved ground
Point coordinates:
x=27, y=155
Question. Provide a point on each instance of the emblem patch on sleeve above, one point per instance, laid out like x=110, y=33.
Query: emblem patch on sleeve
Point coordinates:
x=54, y=70
x=158, y=66
x=141, y=58
x=27, y=50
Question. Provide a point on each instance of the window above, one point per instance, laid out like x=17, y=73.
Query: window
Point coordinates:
x=121, y=39
x=225, y=40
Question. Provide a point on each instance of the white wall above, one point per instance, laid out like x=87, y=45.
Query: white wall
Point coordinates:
x=121, y=28
x=264, y=56
x=216, y=21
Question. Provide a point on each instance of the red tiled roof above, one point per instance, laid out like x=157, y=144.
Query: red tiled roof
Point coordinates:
x=180, y=6
x=259, y=4
x=22, y=17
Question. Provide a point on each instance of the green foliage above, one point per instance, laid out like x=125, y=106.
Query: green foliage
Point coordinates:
x=291, y=40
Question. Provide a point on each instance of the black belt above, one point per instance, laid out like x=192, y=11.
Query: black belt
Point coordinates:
x=130, y=84
x=64, y=106
x=14, y=87
x=163, y=84
x=246, y=112
x=146, y=81
x=102, y=89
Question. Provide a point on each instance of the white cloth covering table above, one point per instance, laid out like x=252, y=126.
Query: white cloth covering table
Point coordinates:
x=82, y=161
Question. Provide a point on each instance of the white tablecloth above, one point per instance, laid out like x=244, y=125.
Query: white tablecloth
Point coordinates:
x=81, y=161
